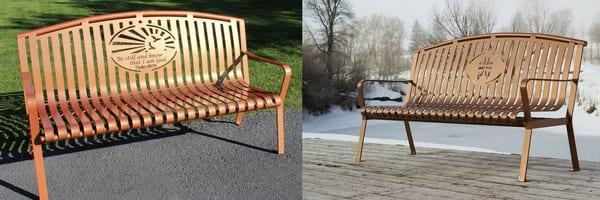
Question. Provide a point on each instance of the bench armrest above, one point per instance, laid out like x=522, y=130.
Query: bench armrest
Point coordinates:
x=525, y=94
x=360, y=88
x=287, y=72
x=29, y=93
x=27, y=85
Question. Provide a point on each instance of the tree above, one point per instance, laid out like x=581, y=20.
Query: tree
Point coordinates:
x=330, y=16
x=535, y=17
x=378, y=44
x=437, y=33
x=594, y=33
x=517, y=23
x=418, y=37
x=330, y=78
x=391, y=40
x=459, y=19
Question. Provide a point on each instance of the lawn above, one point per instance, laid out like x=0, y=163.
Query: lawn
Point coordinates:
x=273, y=30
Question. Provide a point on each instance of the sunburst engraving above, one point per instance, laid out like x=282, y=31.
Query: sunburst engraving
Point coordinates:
x=485, y=67
x=142, y=47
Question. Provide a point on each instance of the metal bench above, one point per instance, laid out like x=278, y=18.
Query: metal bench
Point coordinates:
x=129, y=70
x=493, y=79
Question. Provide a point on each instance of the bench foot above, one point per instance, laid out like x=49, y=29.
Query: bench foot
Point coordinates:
x=572, y=146
x=361, y=139
x=239, y=119
x=280, y=131
x=525, y=154
x=38, y=164
x=409, y=137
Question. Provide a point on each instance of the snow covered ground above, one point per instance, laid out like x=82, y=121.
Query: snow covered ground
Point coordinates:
x=546, y=142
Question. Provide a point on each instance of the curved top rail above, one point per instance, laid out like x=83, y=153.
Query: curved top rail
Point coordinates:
x=507, y=34
x=123, y=15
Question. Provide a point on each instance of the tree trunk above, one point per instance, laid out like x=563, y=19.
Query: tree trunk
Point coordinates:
x=330, y=41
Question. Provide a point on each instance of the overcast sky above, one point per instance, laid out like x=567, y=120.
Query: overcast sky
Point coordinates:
x=583, y=11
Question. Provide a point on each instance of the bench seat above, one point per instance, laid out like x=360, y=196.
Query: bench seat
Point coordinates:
x=446, y=113
x=454, y=113
x=150, y=108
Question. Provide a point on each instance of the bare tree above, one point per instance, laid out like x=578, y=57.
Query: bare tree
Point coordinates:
x=535, y=17
x=378, y=44
x=330, y=16
x=418, y=37
x=437, y=33
x=464, y=18
x=391, y=40
x=517, y=23
x=594, y=33
x=330, y=77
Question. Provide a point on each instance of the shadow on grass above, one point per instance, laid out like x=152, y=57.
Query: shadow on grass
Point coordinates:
x=270, y=23
x=38, y=21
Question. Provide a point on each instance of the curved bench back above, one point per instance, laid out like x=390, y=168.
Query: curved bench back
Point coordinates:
x=488, y=69
x=132, y=51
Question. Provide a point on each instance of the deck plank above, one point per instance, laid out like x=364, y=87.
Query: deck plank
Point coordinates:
x=388, y=172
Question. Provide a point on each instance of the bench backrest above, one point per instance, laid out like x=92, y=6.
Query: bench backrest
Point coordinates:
x=488, y=69
x=132, y=51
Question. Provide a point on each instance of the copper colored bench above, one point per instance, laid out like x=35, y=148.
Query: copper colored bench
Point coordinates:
x=129, y=70
x=494, y=79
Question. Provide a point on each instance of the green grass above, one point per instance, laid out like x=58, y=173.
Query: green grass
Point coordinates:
x=273, y=30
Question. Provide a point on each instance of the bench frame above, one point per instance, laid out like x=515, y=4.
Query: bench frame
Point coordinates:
x=528, y=122
x=32, y=101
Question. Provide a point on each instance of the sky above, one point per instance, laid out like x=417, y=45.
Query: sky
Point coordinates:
x=584, y=12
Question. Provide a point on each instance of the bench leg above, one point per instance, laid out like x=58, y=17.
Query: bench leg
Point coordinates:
x=280, y=131
x=239, y=119
x=525, y=154
x=572, y=146
x=38, y=164
x=409, y=137
x=361, y=139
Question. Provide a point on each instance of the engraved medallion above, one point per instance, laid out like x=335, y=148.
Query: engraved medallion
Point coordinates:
x=485, y=67
x=142, y=48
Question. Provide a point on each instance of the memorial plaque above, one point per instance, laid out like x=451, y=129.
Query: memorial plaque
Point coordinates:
x=485, y=67
x=142, y=47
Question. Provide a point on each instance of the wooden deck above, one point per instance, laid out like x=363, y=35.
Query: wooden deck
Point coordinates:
x=388, y=172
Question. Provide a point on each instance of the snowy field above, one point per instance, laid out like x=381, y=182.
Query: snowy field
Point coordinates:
x=547, y=142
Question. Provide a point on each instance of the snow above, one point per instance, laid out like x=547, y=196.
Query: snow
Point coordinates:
x=589, y=88
x=546, y=142
x=351, y=138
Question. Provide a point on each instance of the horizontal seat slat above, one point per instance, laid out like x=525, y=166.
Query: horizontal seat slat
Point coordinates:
x=183, y=105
